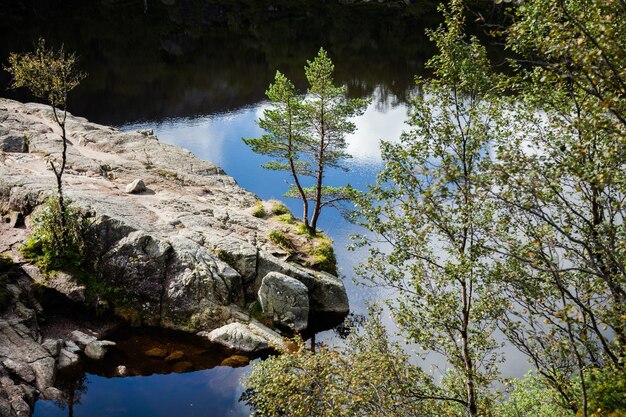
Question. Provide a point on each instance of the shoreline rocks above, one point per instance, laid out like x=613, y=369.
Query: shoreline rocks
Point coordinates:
x=172, y=235
x=186, y=256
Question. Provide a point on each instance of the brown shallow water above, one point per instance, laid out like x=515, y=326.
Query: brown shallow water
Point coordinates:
x=147, y=351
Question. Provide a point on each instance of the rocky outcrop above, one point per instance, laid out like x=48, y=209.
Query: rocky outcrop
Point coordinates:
x=285, y=300
x=27, y=364
x=178, y=249
x=184, y=254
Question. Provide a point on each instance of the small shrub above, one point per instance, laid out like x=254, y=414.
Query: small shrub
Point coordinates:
x=259, y=210
x=52, y=248
x=279, y=209
x=534, y=397
x=324, y=257
x=606, y=391
x=280, y=239
x=303, y=230
x=286, y=218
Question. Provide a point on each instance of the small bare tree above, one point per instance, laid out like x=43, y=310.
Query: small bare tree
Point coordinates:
x=49, y=75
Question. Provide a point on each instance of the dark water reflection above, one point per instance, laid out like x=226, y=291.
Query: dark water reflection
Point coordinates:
x=193, y=383
x=183, y=58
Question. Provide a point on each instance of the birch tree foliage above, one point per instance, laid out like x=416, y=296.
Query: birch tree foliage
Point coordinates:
x=369, y=376
x=430, y=208
x=561, y=180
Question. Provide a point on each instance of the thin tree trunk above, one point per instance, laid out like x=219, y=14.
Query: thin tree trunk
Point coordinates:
x=320, y=175
x=305, y=201
x=579, y=359
x=467, y=358
x=59, y=173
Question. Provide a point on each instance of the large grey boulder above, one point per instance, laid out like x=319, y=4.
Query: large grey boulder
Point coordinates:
x=199, y=287
x=285, y=300
x=327, y=294
x=237, y=336
x=136, y=267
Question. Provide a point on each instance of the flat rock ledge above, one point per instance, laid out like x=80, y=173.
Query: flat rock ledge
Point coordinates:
x=252, y=337
x=178, y=248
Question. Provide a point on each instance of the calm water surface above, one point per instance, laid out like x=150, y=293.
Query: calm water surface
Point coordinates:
x=195, y=72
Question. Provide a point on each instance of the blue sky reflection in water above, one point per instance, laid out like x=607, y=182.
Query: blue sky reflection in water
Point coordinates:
x=208, y=393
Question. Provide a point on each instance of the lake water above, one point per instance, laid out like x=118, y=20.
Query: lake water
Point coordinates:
x=195, y=72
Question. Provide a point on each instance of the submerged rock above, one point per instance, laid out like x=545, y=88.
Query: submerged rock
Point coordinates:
x=156, y=353
x=175, y=356
x=235, y=361
x=180, y=367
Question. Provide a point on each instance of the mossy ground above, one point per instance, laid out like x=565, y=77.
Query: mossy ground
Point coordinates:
x=291, y=235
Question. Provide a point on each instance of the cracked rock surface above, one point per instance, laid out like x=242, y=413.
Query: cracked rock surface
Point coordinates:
x=185, y=253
